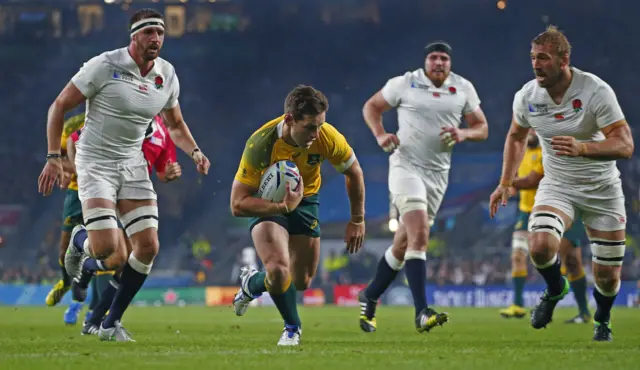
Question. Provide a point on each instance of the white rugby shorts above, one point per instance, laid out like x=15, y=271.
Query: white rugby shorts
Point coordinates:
x=601, y=207
x=408, y=180
x=114, y=179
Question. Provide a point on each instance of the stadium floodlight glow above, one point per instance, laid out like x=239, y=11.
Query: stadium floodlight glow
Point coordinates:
x=109, y=1
x=501, y=4
x=393, y=225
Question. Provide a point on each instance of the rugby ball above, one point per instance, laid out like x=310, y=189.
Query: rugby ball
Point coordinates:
x=272, y=183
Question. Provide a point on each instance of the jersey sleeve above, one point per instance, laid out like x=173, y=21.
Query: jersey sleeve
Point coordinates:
x=473, y=100
x=91, y=77
x=71, y=125
x=520, y=110
x=393, y=90
x=537, y=164
x=175, y=92
x=605, y=106
x=337, y=150
x=168, y=155
x=249, y=173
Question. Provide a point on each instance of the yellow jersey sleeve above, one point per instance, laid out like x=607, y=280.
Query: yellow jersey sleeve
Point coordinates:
x=537, y=163
x=256, y=156
x=71, y=125
x=336, y=148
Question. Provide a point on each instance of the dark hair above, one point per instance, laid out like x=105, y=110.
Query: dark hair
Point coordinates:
x=144, y=14
x=305, y=100
x=552, y=35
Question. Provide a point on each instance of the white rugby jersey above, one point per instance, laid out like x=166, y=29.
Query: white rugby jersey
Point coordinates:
x=121, y=103
x=588, y=106
x=423, y=110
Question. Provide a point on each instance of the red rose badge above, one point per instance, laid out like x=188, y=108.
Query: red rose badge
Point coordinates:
x=577, y=105
x=159, y=82
x=452, y=90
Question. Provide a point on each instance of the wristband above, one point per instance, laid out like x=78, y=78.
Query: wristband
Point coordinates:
x=194, y=151
x=582, y=149
x=506, y=184
x=54, y=156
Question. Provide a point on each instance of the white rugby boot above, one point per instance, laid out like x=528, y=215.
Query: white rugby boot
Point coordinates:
x=290, y=336
x=116, y=334
x=74, y=259
x=243, y=298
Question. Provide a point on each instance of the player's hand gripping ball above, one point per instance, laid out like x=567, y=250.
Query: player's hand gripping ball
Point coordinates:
x=272, y=184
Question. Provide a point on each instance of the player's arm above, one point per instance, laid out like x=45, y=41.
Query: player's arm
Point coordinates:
x=514, y=149
x=373, y=110
x=478, y=129
x=69, y=98
x=178, y=130
x=167, y=167
x=388, y=97
x=355, y=190
x=69, y=163
x=244, y=203
x=531, y=181
x=617, y=145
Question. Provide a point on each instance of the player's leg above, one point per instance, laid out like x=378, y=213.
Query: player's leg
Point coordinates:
x=546, y=227
x=519, y=268
x=607, y=249
x=71, y=216
x=98, y=185
x=571, y=256
x=271, y=241
x=140, y=220
x=391, y=262
x=108, y=293
x=304, y=254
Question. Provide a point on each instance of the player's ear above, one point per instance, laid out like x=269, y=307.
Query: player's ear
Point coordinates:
x=288, y=119
x=565, y=59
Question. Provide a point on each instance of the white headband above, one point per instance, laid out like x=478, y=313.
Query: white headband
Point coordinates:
x=146, y=23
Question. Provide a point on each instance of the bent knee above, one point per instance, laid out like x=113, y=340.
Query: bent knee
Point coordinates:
x=104, y=243
x=117, y=259
x=146, y=250
x=278, y=278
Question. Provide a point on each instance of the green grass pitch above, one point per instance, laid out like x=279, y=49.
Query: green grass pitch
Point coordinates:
x=214, y=338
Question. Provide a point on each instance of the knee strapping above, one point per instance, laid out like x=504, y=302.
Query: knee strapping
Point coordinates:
x=392, y=261
x=100, y=219
x=607, y=252
x=520, y=242
x=415, y=255
x=138, y=266
x=140, y=219
x=546, y=222
x=406, y=204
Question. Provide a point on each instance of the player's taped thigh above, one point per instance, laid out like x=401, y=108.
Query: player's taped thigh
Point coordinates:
x=607, y=252
x=409, y=203
x=139, y=219
x=546, y=222
x=520, y=242
x=100, y=219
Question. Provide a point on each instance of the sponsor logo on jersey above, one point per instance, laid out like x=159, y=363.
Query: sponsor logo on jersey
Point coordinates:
x=314, y=159
x=122, y=75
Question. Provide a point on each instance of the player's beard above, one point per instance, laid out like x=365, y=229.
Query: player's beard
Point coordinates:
x=438, y=76
x=552, y=78
x=150, y=53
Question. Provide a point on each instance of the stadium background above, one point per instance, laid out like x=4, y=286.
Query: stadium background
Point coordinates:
x=236, y=61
